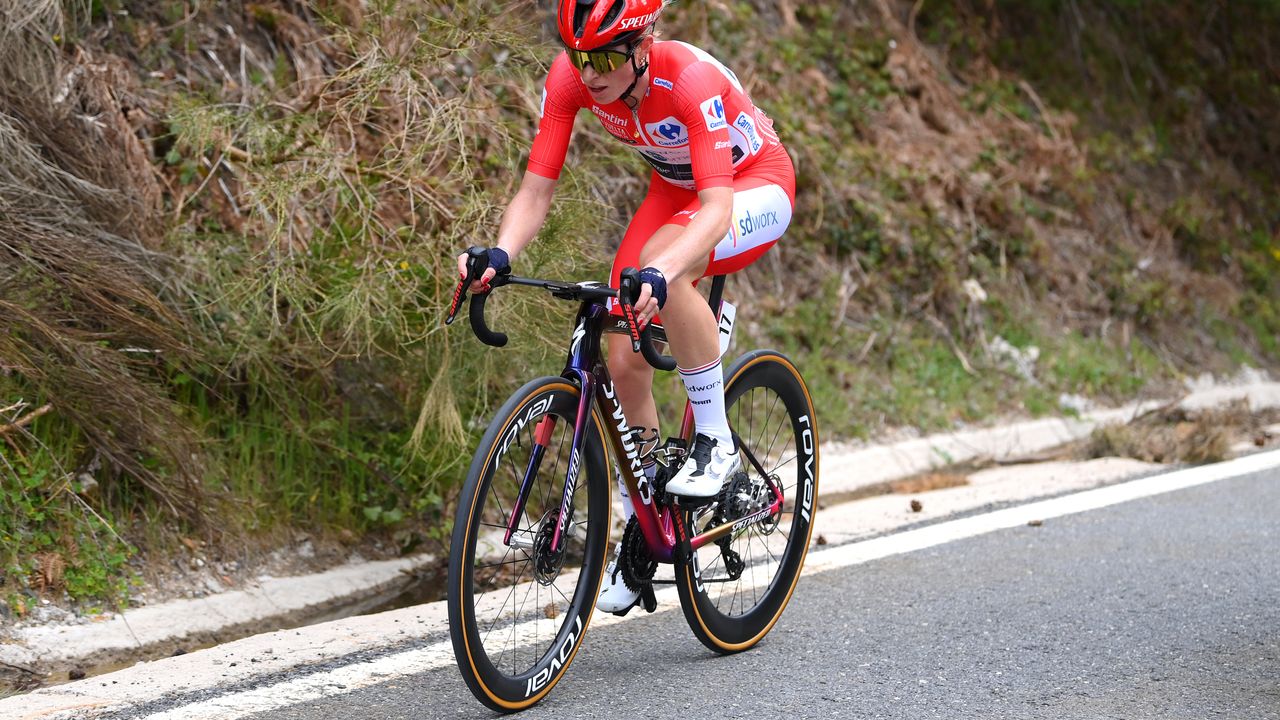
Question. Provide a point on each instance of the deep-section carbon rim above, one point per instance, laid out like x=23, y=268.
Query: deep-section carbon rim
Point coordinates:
x=738, y=588
x=517, y=612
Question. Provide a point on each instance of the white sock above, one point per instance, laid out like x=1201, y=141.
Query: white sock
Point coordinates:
x=705, y=386
x=627, y=508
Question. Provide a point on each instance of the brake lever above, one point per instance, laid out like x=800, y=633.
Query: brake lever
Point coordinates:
x=628, y=286
x=477, y=263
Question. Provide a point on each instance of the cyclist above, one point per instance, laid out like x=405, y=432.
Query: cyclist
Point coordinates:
x=721, y=193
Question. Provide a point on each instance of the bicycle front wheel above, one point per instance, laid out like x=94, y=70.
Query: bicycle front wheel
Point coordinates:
x=518, y=607
x=733, y=590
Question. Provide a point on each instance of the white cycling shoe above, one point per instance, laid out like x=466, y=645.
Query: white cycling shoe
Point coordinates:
x=705, y=472
x=615, y=595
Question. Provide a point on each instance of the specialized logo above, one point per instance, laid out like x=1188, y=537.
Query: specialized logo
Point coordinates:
x=724, y=145
x=748, y=128
x=668, y=133
x=579, y=333
x=566, y=504
x=713, y=113
x=628, y=447
x=753, y=519
x=535, y=410
x=753, y=223
x=540, y=680
x=664, y=83
x=636, y=23
x=806, y=444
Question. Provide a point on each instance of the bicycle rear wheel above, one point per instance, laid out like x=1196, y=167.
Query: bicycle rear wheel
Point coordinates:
x=733, y=591
x=518, y=611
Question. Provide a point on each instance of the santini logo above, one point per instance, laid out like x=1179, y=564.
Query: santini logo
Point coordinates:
x=608, y=116
x=752, y=223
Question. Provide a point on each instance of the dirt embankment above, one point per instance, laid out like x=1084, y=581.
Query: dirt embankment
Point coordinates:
x=221, y=248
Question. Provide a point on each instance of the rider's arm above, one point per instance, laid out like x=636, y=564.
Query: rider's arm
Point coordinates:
x=526, y=212
x=687, y=257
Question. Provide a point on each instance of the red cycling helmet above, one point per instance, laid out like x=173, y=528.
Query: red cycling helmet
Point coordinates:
x=593, y=24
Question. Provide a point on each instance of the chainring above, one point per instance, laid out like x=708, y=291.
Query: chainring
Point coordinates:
x=637, y=565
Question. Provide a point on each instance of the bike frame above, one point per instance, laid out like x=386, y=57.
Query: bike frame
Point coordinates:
x=660, y=523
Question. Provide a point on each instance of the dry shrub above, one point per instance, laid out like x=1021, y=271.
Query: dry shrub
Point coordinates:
x=49, y=574
x=1177, y=435
x=82, y=323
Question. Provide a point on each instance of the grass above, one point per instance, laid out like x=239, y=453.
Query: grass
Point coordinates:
x=54, y=539
x=310, y=208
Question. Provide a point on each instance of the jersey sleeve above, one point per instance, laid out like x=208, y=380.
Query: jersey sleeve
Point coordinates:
x=561, y=101
x=700, y=95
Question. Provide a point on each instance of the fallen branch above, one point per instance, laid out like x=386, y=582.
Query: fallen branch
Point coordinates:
x=25, y=420
x=951, y=342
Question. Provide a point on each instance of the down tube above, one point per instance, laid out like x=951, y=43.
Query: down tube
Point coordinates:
x=659, y=535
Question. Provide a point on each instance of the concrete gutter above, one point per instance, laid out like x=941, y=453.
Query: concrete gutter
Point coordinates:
x=283, y=601
x=846, y=468
x=274, y=602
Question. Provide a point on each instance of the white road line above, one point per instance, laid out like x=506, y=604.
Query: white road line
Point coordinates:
x=353, y=677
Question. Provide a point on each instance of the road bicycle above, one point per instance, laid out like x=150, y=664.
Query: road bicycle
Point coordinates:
x=531, y=534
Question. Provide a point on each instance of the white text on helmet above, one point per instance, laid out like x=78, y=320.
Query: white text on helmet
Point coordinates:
x=635, y=23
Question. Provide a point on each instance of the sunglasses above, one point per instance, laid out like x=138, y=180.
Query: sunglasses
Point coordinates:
x=603, y=61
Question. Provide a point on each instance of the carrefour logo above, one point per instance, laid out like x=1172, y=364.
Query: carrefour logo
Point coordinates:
x=713, y=113
x=748, y=128
x=668, y=133
x=752, y=223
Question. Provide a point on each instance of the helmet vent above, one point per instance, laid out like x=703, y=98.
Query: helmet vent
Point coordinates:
x=614, y=13
x=581, y=10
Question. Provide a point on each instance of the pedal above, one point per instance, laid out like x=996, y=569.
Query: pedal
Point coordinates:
x=695, y=502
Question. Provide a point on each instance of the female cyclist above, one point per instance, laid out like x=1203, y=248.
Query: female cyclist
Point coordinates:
x=721, y=194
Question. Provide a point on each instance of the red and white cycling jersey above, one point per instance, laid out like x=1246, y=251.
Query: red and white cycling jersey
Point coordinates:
x=696, y=126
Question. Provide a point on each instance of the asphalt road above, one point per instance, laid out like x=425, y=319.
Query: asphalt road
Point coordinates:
x=1164, y=607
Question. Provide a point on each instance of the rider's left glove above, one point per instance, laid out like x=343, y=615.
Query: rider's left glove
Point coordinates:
x=657, y=283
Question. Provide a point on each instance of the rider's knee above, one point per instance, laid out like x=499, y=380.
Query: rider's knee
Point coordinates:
x=630, y=370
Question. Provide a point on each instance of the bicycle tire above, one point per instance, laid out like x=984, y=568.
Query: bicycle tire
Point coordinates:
x=492, y=643
x=770, y=409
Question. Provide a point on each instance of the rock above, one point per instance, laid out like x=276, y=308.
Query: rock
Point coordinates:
x=1075, y=403
x=87, y=484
